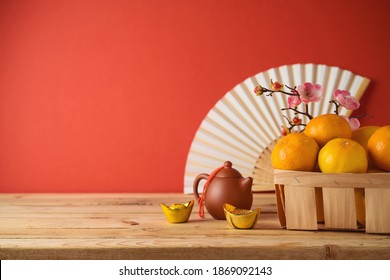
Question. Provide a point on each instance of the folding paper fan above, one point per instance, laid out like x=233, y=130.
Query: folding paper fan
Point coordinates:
x=243, y=128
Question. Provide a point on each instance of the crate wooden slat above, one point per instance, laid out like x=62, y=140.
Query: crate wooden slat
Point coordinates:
x=339, y=208
x=307, y=208
x=345, y=180
x=298, y=193
x=378, y=210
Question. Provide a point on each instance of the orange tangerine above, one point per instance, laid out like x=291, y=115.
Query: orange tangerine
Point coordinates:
x=362, y=135
x=324, y=128
x=342, y=155
x=296, y=151
x=378, y=147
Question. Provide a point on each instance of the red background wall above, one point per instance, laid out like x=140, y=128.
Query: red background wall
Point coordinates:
x=106, y=96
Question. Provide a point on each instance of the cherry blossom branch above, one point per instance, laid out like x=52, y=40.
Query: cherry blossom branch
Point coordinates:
x=337, y=104
x=308, y=93
x=364, y=115
x=295, y=122
x=299, y=112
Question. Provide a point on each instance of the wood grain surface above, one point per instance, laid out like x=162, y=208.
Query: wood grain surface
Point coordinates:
x=132, y=226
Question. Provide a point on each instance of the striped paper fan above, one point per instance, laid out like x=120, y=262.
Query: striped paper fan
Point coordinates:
x=243, y=128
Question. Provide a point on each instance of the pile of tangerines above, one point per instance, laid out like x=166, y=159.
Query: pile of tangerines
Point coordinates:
x=329, y=145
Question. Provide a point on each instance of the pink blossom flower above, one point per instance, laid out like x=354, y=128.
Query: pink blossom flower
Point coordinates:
x=339, y=93
x=309, y=92
x=344, y=98
x=351, y=103
x=293, y=101
x=353, y=122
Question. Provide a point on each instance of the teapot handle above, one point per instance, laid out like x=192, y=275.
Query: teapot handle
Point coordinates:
x=196, y=183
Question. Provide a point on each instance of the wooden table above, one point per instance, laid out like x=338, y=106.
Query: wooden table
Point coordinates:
x=132, y=226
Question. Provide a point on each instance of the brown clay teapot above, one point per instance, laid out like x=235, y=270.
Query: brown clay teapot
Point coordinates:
x=224, y=185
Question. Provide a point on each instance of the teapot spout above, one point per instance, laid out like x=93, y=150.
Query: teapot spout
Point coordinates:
x=246, y=184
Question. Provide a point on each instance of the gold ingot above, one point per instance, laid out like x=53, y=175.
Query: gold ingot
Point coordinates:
x=241, y=218
x=178, y=212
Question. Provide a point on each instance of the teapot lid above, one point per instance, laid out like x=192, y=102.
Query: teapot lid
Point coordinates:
x=228, y=172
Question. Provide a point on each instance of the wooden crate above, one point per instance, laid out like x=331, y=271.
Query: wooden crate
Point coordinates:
x=314, y=200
